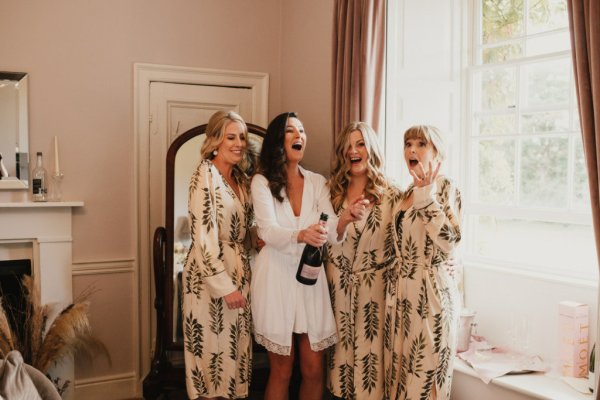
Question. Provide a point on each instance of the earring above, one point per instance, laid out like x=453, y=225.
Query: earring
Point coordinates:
x=215, y=152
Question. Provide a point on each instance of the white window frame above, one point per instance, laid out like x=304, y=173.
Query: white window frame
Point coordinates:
x=567, y=215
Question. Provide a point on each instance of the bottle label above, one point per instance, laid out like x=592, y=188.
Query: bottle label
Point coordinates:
x=310, y=272
x=37, y=186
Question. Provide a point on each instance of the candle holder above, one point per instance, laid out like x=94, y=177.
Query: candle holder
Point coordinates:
x=55, y=187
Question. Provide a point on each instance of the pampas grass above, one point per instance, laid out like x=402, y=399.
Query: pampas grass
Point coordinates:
x=43, y=341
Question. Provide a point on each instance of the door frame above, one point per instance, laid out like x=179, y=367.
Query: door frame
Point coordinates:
x=143, y=75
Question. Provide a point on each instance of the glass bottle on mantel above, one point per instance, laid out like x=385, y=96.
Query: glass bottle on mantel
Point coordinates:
x=311, y=260
x=39, y=179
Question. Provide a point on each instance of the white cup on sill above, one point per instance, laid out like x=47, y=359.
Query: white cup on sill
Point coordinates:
x=464, y=329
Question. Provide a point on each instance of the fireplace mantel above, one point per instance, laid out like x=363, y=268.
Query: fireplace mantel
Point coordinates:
x=47, y=228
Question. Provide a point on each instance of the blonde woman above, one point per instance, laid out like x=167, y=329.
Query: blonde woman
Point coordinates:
x=424, y=303
x=358, y=269
x=216, y=276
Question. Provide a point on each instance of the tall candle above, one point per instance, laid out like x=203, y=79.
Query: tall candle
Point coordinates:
x=56, y=162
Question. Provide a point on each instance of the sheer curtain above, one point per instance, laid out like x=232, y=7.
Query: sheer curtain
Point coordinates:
x=358, y=62
x=584, y=22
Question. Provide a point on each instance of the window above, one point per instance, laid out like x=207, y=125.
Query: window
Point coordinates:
x=496, y=77
x=526, y=198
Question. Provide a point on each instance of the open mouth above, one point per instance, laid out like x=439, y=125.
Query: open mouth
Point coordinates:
x=413, y=163
x=297, y=146
x=355, y=160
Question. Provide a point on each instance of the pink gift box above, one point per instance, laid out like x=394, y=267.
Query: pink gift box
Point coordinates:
x=573, y=335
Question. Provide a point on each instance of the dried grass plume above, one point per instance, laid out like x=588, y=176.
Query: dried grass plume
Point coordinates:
x=44, y=342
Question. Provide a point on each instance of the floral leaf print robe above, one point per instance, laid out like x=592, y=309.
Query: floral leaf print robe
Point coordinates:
x=217, y=340
x=358, y=274
x=423, y=306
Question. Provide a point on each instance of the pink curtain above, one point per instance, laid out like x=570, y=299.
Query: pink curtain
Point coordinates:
x=358, y=62
x=584, y=21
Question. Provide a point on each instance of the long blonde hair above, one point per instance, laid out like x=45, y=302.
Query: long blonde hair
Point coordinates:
x=340, y=175
x=215, y=131
x=215, y=134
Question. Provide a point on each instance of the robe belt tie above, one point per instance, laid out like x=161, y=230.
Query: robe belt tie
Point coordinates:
x=355, y=284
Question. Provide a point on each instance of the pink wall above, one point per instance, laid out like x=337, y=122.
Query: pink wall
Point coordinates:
x=306, y=74
x=80, y=54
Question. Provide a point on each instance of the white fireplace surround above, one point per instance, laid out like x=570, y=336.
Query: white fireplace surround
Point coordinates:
x=46, y=228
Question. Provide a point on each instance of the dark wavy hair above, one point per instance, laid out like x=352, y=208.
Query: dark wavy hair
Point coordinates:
x=272, y=154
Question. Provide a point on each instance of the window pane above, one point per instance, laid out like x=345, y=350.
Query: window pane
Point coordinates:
x=498, y=89
x=552, y=121
x=539, y=245
x=581, y=190
x=555, y=42
x=544, y=172
x=496, y=171
x=503, y=124
x=545, y=15
x=546, y=83
x=575, y=113
x=502, y=53
x=502, y=19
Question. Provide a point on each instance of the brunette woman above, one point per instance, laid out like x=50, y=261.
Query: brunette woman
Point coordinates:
x=288, y=201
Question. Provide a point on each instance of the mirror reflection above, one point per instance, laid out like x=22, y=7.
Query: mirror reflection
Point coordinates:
x=186, y=162
x=14, y=143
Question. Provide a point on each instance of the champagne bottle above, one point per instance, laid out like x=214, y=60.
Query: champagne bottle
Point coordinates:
x=39, y=180
x=311, y=260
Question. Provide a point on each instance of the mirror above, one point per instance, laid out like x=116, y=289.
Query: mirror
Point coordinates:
x=170, y=247
x=14, y=131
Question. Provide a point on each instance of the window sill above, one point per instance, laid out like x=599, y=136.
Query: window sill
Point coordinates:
x=535, y=385
x=511, y=269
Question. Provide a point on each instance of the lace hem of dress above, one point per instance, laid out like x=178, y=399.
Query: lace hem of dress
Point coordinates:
x=325, y=343
x=285, y=350
x=271, y=346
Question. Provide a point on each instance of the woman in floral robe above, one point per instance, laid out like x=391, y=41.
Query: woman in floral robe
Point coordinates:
x=358, y=268
x=424, y=303
x=216, y=277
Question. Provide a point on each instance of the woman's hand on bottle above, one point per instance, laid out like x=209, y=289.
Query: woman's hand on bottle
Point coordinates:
x=315, y=235
x=235, y=300
x=423, y=178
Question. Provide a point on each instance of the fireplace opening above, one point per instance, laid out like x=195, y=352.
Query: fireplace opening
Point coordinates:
x=11, y=290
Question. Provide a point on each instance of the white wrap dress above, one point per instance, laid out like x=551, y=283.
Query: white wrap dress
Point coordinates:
x=280, y=304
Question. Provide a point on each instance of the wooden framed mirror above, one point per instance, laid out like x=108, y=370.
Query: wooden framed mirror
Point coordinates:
x=170, y=246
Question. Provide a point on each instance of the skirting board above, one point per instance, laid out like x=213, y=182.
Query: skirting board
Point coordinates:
x=110, y=387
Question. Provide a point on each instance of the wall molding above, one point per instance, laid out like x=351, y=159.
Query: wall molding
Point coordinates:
x=119, y=386
x=104, y=267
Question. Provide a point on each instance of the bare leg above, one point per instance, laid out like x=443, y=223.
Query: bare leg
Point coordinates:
x=312, y=366
x=279, y=375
